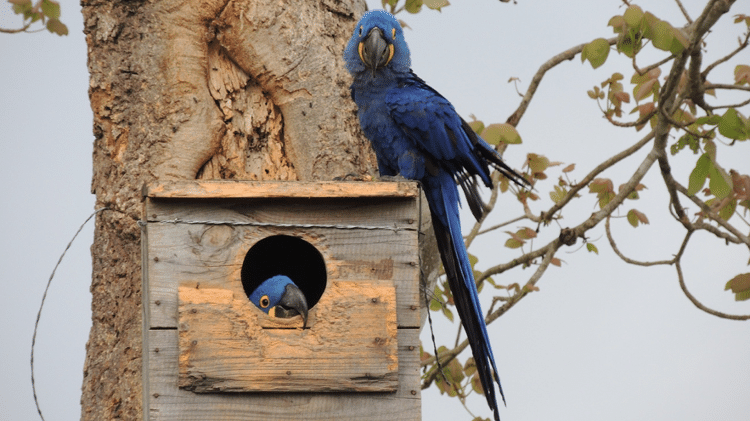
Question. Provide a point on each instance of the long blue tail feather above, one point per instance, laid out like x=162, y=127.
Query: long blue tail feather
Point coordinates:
x=442, y=196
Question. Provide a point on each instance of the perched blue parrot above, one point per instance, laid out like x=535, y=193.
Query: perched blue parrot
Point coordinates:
x=417, y=134
x=279, y=296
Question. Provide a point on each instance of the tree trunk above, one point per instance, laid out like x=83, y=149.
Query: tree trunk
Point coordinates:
x=201, y=89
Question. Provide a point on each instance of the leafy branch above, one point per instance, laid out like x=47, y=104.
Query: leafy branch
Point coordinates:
x=46, y=12
x=677, y=106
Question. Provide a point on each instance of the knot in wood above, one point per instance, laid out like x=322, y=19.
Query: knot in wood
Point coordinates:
x=568, y=236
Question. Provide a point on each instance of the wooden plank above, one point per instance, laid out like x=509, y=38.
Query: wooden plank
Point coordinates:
x=392, y=214
x=212, y=255
x=277, y=189
x=349, y=345
x=166, y=402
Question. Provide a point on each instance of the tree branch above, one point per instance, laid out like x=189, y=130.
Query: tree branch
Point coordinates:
x=625, y=258
x=711, y=66
x=727, y=86
x=15, y=31
x=569, y=54
x=642, y=72
x=699, y=304
x=738, y=236
x=547, y=216
x=447, y=357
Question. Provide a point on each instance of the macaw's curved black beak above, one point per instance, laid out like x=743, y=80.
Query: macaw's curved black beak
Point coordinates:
x=292, y=303
x=375, y=52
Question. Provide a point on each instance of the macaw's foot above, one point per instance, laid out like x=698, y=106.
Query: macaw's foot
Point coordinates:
x=353, y=177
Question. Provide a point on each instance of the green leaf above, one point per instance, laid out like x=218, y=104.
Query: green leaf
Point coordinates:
x=712, y=120
x=513, y=243
x=476, y=386
x=447, y=313
x=51, y=9
x=537, y=163
x=617, y=23
x=22, y=7
x=413, y=6
x=727, y=210
x=605, y=198
x=699, y=174
x=679, y=42
x=719, y=182
x=740, y=286
x=644, y=89
x=436, y=4
x=633, y=16
x=496, y=133
x=592, y=248
x=630, y=43
x=595, y=52
x=648, y=24
x=435, y=305
x=742, y=74
x=600, y=185
x=57, y=27
x=473, y=260
x=558, y=194
x=663, y=35
x=477, y=126
x=526, y=233
x=635, y=218
x=732, y=126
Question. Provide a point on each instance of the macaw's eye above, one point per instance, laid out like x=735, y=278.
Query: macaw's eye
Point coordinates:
x=264, y=301
x=361, y=30
x=393, y=33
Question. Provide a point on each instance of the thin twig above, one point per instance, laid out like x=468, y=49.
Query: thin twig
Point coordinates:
x=636, y=123
x=647, y=69
x=15, y=31
x=498, y=226
x=727, y=86
x=596, y=171
x=741, y=104
x=699, y=304
x=711, y=66
x=625, y=258
x=569, y=54
x=738, y=236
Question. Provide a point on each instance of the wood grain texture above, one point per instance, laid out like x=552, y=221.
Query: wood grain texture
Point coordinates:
x=214, y=189
x=167, y=402
x=202, y=333
x=349, y=345
x=212, y=254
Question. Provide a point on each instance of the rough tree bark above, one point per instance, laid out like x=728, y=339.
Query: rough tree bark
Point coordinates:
x=201, y=89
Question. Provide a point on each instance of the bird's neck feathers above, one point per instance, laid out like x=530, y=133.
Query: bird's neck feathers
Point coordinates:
x=379, y=80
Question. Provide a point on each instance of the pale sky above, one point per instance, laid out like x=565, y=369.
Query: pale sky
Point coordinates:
x=601, y=340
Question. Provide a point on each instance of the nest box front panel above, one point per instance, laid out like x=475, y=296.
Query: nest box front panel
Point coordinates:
x=197, y=255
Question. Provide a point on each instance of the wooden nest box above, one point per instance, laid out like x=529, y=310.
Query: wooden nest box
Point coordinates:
x=211, y=354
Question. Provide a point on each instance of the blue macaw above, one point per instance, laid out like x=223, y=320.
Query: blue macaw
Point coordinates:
x=417, y=134
x=279, y=296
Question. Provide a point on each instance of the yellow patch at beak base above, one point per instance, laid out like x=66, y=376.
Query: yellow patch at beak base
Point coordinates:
x=391, y=51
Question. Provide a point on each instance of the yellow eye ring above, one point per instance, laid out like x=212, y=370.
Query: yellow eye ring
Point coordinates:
x=361, y=30
x=393, y=33
x=264, y=301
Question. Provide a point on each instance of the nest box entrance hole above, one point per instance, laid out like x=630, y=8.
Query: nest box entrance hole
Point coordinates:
x=289, y=256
